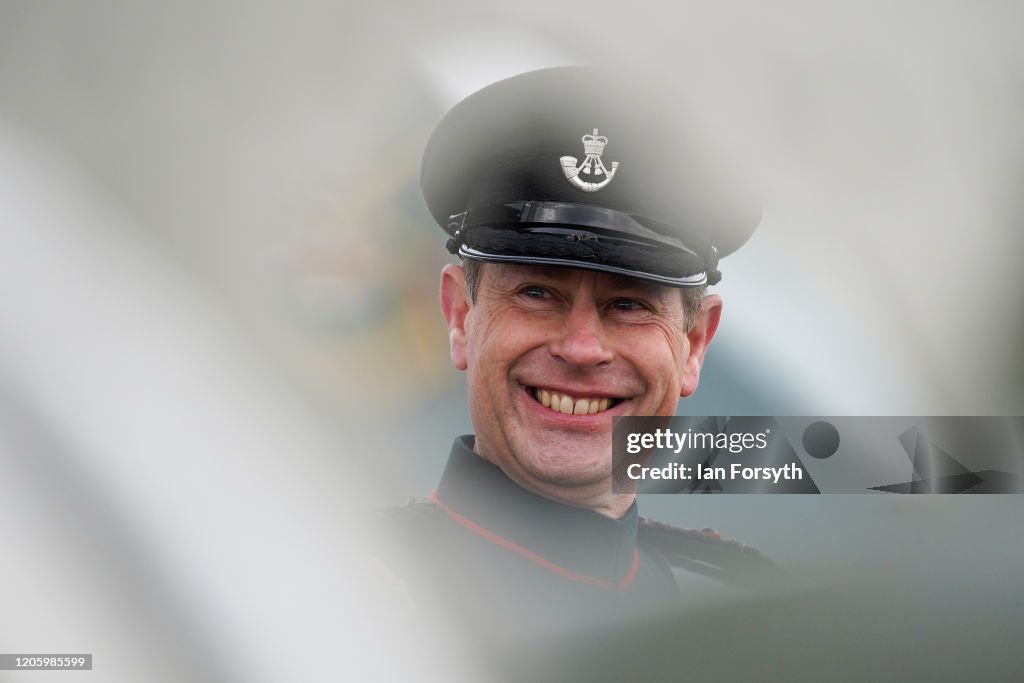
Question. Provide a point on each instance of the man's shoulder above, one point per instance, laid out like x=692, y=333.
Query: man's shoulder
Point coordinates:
x=407, y=538
x=704, y=551
x=420, y=524
x=417, y=517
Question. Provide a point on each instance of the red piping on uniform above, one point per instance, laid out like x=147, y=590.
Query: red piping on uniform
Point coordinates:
x=534, y=557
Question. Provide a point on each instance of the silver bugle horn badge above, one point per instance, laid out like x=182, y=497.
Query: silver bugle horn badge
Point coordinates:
x=593, y=147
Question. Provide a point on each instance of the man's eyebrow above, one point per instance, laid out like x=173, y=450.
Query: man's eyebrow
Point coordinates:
x=644, y=288
x=626, y=282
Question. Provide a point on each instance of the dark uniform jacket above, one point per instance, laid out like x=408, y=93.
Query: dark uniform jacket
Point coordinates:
x=513, y=565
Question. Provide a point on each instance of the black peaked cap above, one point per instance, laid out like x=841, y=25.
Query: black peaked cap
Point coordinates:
x=569, y=166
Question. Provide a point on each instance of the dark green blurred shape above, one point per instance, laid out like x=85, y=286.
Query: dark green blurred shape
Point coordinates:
x=882, y=628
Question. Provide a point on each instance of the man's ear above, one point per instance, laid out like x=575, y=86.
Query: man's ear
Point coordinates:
x=455, y=307
x=700, y=335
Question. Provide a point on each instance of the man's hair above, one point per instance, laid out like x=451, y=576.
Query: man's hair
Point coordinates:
x=693, y=297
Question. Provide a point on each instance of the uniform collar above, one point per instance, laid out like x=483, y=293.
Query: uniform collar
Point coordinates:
x=580, y=544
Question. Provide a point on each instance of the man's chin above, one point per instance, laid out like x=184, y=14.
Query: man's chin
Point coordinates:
x=570, y=460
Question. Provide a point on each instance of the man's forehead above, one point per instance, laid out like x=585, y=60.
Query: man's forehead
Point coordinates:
x=568, y=273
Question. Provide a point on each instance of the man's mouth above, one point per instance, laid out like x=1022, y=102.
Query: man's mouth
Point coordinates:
x=572, y=405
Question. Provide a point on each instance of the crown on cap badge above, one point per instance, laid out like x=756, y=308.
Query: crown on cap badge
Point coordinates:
x=593, y=147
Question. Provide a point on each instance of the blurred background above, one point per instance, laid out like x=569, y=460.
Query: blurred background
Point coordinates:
x=219, y=337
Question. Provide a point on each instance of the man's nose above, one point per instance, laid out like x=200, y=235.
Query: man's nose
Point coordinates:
x=582, y=341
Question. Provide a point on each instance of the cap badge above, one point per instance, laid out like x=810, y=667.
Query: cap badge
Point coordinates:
x=593, y=146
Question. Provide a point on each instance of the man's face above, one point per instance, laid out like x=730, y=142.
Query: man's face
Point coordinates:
x=553, y=353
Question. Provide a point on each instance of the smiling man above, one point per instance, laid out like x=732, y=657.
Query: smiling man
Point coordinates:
x=589, y=227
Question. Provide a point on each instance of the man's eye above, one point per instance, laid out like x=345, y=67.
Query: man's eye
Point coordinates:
x=535, y=292
x=627, y=305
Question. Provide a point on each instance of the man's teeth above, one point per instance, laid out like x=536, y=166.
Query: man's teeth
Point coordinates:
x=562, y=403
